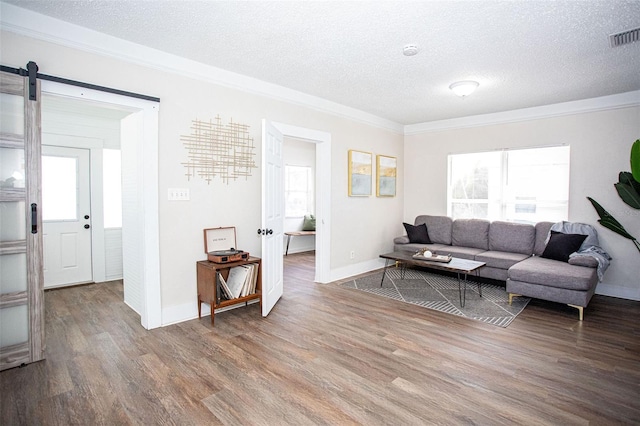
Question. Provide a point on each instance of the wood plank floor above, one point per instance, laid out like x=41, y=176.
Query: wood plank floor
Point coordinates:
x=327, y=355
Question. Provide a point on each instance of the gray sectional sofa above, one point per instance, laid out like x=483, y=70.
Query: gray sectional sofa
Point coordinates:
x=512, y=253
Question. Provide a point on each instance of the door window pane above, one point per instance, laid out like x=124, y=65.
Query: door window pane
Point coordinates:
x=12, y=114
x=11, y=168
x=14, y=325
x=13, y=273
x=12, y=221
x=59, y=188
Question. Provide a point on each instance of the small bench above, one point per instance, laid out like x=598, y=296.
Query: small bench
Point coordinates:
x=296, y=234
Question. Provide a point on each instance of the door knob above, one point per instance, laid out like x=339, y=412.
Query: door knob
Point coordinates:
x=87, y=226
x=86, y=216
x=269, y=231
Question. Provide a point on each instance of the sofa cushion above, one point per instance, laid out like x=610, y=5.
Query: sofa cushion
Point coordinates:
x=560, y=246
x=511, y=237
x=462, y=252
x=439, y=228
x=500, y=259
x=414, y=247
x=542, y=232
x=548, y=272
x=493, y=273
x=470, y=233
x=554, y=294
x=417, y=233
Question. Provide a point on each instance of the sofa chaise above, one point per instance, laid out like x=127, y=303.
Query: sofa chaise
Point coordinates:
x=513, y=252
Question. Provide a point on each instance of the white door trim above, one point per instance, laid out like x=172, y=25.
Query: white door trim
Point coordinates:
x=323, y=193
x=151, y=312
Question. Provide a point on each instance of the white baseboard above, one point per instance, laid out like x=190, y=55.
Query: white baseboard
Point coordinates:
x=188, y=311
x=356, y=269
x=605, y=289
x=302, y=249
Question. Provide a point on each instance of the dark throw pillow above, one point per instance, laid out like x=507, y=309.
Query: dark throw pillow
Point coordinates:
x=417, y=233
x=560, y=245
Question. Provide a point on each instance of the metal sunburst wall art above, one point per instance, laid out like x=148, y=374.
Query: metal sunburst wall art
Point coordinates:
x=216, y=149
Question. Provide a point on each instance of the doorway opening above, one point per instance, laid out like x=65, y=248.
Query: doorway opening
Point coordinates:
x=321, y=145
x=81, y=148
x=137, y=129
x=299, y=157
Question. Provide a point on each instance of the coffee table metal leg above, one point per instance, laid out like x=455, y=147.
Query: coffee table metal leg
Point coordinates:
x=384, y=272
x=462, y=290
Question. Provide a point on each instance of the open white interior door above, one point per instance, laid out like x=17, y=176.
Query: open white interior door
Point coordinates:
x=272, y=216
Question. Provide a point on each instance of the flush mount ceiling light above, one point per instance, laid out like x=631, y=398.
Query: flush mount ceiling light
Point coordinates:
x=464, y=88
x=410, y=50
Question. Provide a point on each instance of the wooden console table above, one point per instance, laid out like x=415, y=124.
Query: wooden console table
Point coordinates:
x=296, y=234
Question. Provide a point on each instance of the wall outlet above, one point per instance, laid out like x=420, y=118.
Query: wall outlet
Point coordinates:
x=352, y=254
x=178, y=194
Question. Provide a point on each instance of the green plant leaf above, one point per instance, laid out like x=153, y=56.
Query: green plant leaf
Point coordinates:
x=635, y=160
x=628, y=194
x=604, y=215
x=627, y=177
x=599, y=209
x=616, y=227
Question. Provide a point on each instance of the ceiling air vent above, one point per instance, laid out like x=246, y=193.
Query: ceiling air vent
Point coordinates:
x=624, y=37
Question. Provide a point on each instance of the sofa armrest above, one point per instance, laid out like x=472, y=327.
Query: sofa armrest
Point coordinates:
x=401, y=240
x=587, y=261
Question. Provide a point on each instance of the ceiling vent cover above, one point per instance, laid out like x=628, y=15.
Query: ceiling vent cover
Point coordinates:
x=624, y=37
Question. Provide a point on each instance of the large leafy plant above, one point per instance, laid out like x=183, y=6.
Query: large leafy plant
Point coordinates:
x=628, y=188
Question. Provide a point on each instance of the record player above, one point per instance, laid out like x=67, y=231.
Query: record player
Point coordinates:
x=220, y=243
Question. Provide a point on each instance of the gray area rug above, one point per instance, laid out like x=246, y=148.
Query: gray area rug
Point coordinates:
x=440, y=293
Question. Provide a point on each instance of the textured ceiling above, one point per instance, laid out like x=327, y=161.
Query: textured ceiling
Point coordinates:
x=524, y=54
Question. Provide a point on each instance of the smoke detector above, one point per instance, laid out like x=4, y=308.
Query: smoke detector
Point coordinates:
x=410, y=50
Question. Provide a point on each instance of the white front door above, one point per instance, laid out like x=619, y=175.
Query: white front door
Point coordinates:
x=272, y=216
x=66, y=215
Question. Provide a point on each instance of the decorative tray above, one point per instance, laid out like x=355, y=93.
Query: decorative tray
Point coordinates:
x=432, y=257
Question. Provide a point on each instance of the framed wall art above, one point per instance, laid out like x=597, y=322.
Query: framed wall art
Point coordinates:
x=360, y=166
x=386, y=176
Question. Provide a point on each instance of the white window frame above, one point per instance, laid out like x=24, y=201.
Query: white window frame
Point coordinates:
x=501, y=205
x=310, y=195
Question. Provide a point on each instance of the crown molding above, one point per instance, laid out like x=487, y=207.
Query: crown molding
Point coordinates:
x=31, y=24
x=603, y=103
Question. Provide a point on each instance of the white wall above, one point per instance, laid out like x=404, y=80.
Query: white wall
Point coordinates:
x=113, y=262
x=364, y=225
x=299, y=153
x=600, y=145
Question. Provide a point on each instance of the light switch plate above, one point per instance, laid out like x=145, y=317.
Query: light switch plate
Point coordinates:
x=178, y=194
